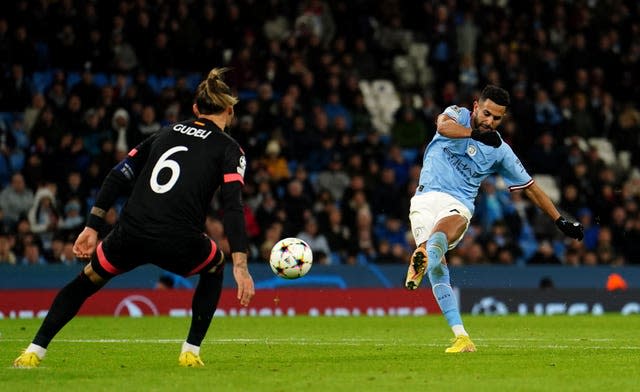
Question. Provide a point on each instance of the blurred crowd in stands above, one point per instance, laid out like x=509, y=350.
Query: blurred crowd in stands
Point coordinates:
x=332, y=158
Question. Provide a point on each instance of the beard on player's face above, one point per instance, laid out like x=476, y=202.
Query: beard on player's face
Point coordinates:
x=480, y=126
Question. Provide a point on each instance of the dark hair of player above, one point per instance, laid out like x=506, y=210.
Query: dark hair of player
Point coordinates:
x=496, y=94
x=213, y=95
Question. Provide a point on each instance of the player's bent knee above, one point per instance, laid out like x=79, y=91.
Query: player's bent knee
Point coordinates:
x=93, y=275
x=218, y=266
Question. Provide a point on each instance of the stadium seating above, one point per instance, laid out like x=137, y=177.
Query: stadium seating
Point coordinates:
x=605, y=149
x=549, y=186
x=382, y=101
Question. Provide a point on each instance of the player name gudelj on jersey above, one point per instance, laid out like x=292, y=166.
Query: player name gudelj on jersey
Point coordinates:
x=192, y=131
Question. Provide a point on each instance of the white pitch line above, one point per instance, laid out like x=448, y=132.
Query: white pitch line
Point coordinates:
x=565, y=347
x=298, y=340
x=359, y=342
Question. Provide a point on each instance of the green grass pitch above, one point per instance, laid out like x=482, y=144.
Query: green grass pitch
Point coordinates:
x=515, y=353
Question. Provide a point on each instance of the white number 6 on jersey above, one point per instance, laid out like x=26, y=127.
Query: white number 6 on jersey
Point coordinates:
x=170, y=164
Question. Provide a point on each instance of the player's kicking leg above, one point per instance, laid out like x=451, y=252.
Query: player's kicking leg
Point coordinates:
x=64, y=307
x=443, y=293
x=417, y=268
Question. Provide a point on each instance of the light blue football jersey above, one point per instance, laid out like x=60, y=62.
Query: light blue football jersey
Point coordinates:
x=458, y=166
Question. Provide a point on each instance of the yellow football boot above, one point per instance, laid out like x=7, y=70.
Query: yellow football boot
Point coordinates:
x=461, y=344
x=27, y=360
x=189, y=359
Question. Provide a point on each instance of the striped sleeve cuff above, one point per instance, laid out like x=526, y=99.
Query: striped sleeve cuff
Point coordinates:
x=519, y=187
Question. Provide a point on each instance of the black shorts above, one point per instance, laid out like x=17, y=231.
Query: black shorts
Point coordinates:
x=120, y=252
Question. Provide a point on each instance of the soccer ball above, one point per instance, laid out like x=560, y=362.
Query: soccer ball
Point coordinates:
x=291, y=258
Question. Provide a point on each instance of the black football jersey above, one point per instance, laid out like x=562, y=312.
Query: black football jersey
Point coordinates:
x=177, y=170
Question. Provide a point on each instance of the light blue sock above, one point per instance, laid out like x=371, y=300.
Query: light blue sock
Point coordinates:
x=443, y=293
x=439, y=278
x=436, y=247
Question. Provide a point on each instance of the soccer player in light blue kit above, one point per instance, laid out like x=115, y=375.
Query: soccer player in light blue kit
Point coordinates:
x=465, y=150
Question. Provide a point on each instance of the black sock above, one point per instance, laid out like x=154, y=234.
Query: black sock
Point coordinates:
x=203, y=305
x=64, y=307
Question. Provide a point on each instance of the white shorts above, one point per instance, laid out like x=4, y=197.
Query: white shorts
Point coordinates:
x=428, y=208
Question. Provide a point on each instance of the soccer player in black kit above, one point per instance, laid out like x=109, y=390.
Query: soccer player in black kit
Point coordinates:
x=170, y=179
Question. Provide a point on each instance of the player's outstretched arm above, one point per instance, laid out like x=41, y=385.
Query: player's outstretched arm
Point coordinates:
x=243, y=278
x=540, y=199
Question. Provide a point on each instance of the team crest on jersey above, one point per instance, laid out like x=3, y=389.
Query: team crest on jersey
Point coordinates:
x=242, y=165
x=471, y=150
